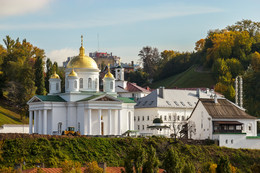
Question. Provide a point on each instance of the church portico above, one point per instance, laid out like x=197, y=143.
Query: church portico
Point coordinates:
x=82, y=107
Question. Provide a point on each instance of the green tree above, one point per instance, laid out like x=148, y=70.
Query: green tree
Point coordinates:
x=172, y=162
x=255, y=61
x=139, y=77
x=223, y=165
x=39, y=76
x=92, y=167
x=48, y=73
x=188, y=168
x=152, y=163
x=150, y=58
x=235, y=67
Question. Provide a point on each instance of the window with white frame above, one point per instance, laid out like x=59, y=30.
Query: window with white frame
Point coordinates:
x=81, y=83
x=89, y=83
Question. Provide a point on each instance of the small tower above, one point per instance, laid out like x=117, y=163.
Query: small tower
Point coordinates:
x=73, y=82
x=119, y=72
x=54, y=84
x=109, y=82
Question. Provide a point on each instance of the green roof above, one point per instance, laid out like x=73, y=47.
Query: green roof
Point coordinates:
x=126, y=100
x=51, y=98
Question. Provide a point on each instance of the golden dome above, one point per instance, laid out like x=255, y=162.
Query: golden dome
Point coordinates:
x=73, y=73
x=82, y=61
x=109, y=75
x=54, y=76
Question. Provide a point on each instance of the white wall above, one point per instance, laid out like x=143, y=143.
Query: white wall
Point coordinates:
x=14, y=128
x=237, y=141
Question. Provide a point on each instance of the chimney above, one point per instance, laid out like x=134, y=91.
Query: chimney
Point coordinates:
x=215, y=98
x=240, y=91
x=161, y=92
x=236, y=90
x=198, y=93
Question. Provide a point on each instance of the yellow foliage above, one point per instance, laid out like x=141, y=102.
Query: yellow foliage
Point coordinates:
x=70, y=167
x=92, y=167
x=212, y=168
x=255, y=61
x=233, y=169
x=220, y=87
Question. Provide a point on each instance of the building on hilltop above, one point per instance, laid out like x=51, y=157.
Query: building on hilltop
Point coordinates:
x=104, y=58
x=173, y=106
x=82, y=106
x=220, y=119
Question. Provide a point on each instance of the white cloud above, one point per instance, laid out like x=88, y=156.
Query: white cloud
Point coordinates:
x=117, y=17
x=20, y=7
x=61, y=55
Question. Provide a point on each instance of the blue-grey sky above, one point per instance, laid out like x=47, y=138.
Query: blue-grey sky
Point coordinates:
x=123, y=26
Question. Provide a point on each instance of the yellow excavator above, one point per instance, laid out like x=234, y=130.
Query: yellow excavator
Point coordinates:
x=70, y=131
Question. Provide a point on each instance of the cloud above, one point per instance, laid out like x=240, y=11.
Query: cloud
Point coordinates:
x=20, y=7
x=61, y=55
x=118, y=17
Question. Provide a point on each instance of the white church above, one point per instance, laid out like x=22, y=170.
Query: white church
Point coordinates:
x=82, y=106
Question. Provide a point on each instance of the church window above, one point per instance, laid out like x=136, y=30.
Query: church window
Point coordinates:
x=178, y=127
x=138, y=118
x=111, y=85
x=226, y=141
x=96, y=83
x=138, y=127
x=165, y=118
x=57, y=86
x=143, y=127
x=143, y=118
x=75, y=84
x=81, y=83
x=231, y=141
x=147, y=118
x=78, y=126
x=59, y=127
x=178, y=118
x=89, y=83
x=176, y=103
x=134, y=118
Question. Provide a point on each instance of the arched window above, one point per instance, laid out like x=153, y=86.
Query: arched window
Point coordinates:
x=111, y=85
x=89, y=83
x=59, y=127
x=75, y=84
x=57, y=86
x=96, y=83
x=81, y=83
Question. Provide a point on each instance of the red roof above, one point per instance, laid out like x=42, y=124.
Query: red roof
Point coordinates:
x=58, y=170
x=133, y=87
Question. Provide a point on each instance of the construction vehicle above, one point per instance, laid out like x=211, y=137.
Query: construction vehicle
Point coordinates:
x=70, y=131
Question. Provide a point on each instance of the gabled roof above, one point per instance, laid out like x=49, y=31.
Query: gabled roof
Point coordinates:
x=47, y=98
x=172, y=98
x=224, y=109
x=133, y=87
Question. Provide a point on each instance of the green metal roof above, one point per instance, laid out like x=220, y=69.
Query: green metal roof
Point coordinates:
x=126, y=100
x=51, y=98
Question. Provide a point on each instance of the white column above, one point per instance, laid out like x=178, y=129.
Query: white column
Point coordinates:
x=89, y=122
x=35, y=130
x=30, y=122
x=119, y=122
x=109, y=121
x=39, y=122
x=99, y=121
x=44, y=122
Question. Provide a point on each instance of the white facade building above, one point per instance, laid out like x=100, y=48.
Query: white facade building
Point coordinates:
x=173, y=106
x=224, y=121
x=128, y=89
x=82, y=106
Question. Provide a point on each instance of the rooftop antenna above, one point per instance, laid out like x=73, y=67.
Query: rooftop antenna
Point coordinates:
x=98, y=40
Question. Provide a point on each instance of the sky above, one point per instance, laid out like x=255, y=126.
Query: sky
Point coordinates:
x=122, y=27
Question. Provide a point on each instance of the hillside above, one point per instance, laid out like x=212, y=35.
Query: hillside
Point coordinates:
x=9, y=116
x=191, y=78
x=52, y=150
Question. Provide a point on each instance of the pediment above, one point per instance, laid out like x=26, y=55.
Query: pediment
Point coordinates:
x=105, y=99
x=34, y=99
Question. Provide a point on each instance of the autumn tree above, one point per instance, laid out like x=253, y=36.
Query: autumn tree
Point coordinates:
x=139, y=77
x=92, y=167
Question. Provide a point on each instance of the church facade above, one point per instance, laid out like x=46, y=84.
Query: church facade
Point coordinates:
x=82, y=106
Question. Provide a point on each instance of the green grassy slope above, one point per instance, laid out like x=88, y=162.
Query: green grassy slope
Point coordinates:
x=8, y=116
x=191, y=78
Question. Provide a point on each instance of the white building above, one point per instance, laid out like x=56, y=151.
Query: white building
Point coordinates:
x=173, y=106
x=82, y=106
x=221, y=120
x=128, y=89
